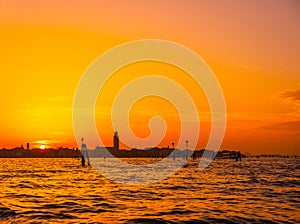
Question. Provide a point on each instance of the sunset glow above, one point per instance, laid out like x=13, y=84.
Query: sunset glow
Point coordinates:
x=252, y=47
x=149, y=111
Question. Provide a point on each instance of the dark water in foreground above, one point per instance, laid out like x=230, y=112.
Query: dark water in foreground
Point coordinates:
x=59, y=190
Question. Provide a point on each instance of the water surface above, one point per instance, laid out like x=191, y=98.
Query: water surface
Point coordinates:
x=59, y=190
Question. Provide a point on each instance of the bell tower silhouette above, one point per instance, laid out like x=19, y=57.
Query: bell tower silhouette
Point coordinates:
x=116, y=141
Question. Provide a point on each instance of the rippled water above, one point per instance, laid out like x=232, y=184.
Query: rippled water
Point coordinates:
x=59, y=190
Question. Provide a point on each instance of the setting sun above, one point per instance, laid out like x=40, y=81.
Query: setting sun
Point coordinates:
x=42, y=147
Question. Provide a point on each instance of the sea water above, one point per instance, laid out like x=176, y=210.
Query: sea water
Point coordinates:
x=60, y=191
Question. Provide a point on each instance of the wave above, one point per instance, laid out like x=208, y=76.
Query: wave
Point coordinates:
x=148, y=220
x=6, y=213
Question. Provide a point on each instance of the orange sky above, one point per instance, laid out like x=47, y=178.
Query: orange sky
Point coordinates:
x=253, y=47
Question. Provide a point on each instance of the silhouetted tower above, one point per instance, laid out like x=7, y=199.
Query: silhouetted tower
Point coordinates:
x=186, y=151
x=27, y=145
x=116, y=141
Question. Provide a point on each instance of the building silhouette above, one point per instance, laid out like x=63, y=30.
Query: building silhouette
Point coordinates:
x=116, y=141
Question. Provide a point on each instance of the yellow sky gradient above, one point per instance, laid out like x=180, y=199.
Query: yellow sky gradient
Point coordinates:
x=253, y=48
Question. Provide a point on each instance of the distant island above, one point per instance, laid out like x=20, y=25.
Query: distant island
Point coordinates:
x=115, y=151
x=20, y=152
x=98, y=152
